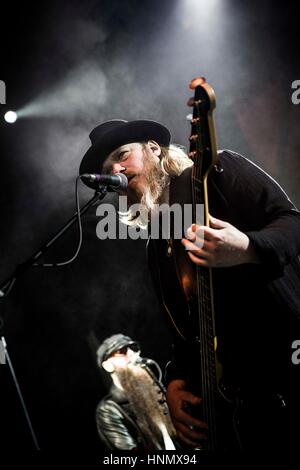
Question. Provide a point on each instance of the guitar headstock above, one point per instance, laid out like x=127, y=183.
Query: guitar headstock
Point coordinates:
x=203, y=148
x=209, y=97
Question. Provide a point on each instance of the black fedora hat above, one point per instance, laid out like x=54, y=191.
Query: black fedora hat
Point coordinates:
x=110, y=135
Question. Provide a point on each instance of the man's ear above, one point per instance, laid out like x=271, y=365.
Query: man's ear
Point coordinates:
x=154, y=147
x=108, y=366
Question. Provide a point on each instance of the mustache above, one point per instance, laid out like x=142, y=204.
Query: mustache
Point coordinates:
x=131, y=175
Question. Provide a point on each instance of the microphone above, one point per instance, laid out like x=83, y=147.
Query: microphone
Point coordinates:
x=144, y=361
x=149, y=362
x=117, y=181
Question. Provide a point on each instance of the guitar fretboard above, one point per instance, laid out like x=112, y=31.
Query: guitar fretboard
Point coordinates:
x=203, y=151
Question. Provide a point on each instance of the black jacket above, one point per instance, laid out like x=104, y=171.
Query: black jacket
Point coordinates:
x=116, y=423
x=257, y=306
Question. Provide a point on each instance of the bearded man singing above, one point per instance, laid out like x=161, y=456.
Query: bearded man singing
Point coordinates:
x=251, y=246
x=134, y=414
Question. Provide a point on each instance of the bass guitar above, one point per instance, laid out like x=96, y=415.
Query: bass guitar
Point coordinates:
x=219, y=404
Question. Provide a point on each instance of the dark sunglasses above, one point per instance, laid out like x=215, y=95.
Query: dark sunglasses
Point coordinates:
x=134, y=347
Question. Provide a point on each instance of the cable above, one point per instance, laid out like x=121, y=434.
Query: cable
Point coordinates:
x=70, y=260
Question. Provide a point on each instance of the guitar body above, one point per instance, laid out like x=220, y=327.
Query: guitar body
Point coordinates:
x=183, y=314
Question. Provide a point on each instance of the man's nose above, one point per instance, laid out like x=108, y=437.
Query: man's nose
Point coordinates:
x=117, y=168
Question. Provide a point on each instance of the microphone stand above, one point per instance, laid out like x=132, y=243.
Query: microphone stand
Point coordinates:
x=6, y=285
x=21, y=268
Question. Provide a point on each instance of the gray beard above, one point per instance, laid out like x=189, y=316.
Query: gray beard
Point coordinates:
x=148, y=403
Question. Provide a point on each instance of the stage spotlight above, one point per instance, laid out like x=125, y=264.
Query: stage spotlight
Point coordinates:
x=11, y=117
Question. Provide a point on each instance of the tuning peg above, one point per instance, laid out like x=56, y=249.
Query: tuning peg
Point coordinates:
x=192, y=102
x=192, y=154
x=190, y=118
x=196, y=82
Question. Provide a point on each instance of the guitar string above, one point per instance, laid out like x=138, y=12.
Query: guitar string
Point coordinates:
x=201, y=314
x=203, y=294
x=204, y=322
x=211, y=351
x=198, y=172
x=210, y=345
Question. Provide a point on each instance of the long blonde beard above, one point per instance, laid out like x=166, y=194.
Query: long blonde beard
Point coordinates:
x=147, y=400
x=156, y=182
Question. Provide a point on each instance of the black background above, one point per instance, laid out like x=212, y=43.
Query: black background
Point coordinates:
x=140, y=56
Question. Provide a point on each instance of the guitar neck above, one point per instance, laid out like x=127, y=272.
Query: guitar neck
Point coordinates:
x=203, y=151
